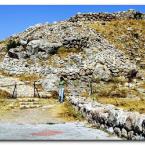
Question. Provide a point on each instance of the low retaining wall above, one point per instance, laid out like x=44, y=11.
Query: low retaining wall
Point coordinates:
x=129, y=125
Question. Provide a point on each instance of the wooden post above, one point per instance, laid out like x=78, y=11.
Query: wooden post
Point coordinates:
x=34, y=89
x=14, y=95
x=37, y=92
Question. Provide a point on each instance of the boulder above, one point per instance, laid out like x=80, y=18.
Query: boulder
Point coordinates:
x=112, y=120
x=130, y=135
x=17, y=53
x=124, y=133
x=101, y=72
x=117, y=131
x=23, y=42
x=50, y=83
x=42, y=45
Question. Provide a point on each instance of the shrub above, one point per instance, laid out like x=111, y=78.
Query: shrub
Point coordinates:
x=12, y=44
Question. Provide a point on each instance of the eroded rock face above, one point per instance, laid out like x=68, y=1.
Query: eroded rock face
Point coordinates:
x=115, y=61
x=98, y=57
x=76, y=42
x=50, y=83
x=18, y=53
x=41, y=45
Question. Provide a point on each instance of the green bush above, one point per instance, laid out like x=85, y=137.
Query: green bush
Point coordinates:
x=12, y=44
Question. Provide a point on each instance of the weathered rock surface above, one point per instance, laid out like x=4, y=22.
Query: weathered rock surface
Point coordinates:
x=130, y=14
x=101, y=72
x=41, y=45
x=51, y=83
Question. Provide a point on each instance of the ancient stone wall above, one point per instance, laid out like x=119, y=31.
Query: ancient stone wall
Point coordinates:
x=129, y=125
x=130, y=14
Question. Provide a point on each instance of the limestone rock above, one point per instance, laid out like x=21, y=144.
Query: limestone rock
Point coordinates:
x=50, y=83
x=101, y=72
x=41, y=45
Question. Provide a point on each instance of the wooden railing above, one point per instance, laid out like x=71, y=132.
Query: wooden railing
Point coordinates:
x=14, y=93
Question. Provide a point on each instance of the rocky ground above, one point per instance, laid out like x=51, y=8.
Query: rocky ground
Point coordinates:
x=100, y=55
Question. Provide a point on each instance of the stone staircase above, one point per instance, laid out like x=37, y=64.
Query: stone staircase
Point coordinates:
x=27, y=103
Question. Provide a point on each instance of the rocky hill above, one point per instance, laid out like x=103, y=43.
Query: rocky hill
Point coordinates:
x=90, y=50
x=100, y=55
x=81, y=49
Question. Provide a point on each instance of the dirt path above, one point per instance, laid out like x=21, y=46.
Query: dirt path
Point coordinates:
x=50, y=112
x=48, y=122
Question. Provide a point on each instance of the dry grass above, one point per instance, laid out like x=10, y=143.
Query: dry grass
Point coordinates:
x=127, y=98
x=142, y=85
x=84, y=94
x=127, y=104
x=111, y=90
x=4, y=94
x=30, y=78
x=117, y=33
x=5, y=73
x=69, y=113
x=64, y=52
x=5, y=102
x=59, y=110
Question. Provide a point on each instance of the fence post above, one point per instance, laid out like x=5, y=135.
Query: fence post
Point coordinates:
x=34, y=89
x=14, y=95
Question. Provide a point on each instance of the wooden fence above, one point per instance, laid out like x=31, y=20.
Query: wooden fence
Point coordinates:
x=14, y=93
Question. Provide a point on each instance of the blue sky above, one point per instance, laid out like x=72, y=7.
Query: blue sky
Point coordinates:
x=16, y=18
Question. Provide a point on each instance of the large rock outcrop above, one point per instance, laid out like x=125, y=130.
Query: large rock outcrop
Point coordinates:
x=50, y=83
x=130, y=14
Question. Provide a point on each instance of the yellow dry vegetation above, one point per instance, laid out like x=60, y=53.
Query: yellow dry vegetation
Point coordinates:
x=127, y=98
x=69, y=113
x=64, y=52
x=5, y=73
x=4, y=94
x=62, y=110
x=123, y=33
x=26, y=77
x=127, y=104
x=5, y=101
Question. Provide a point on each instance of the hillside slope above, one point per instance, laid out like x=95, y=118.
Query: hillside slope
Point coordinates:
x=104, y=49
